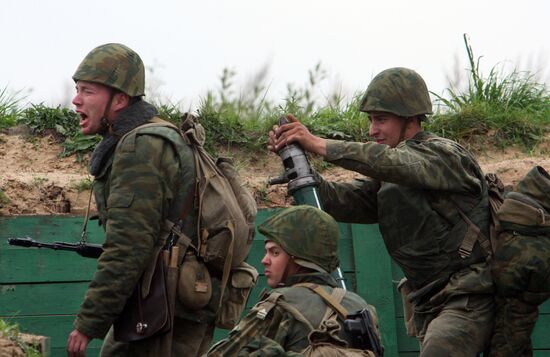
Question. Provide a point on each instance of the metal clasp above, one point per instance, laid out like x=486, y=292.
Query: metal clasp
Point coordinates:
x=141, y=328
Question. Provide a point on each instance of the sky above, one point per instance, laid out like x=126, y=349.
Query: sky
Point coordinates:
x=185, y=44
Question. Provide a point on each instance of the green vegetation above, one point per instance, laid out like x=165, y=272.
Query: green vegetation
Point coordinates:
x=9, y=108
x=12, y=332
x=63, y=123
x=82, y=185
x=496, y=110
x=4, y=199
x=39, y=181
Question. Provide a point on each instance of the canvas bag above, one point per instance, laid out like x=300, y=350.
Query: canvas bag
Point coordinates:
x=145, y=316
x=226, y=220
x=227, y=211
x=324, y=340
x=226, y=223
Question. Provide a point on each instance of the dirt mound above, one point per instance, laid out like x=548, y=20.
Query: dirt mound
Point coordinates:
x=36, y=181
x=9, y=348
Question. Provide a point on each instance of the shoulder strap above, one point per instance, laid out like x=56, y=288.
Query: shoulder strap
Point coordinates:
x=274, y=298
x=473, y=234
x=331, y=300
x=188, y=201
x=177, y=211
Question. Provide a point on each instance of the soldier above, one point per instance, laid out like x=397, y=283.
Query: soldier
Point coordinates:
x=521, y=266
x=301, y=246
x=138, y=176
x=421, y=190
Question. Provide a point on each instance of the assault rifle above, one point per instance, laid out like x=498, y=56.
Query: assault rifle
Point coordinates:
x=86, y=250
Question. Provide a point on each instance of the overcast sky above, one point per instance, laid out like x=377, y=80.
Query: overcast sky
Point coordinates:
x=187, y=44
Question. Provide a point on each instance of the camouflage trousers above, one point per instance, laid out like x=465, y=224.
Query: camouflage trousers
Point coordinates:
x=189, y=339
x=462, y=327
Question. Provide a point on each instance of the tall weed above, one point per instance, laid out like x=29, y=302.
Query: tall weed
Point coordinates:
x=10, y=107
x=499, y=109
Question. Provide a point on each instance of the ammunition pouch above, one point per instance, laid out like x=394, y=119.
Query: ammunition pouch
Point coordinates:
x=241, y=281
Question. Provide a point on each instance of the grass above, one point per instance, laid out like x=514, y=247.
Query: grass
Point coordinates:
x=39, y=181
x=82, y=185
x=10, y=107
x=4, y=199
x=12, y=332
x=499, y=109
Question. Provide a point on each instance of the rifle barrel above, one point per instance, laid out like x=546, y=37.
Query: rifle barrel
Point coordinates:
x=84, y=249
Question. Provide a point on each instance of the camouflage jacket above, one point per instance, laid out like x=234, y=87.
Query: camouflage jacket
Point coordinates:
x=279, y=333
x=137, y=181
x=412, y=192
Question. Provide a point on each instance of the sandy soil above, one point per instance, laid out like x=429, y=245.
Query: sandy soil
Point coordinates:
x=36, y=181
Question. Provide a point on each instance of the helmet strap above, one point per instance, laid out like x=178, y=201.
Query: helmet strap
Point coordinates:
x=406, y=121
x=403, y=130
x=105, y=125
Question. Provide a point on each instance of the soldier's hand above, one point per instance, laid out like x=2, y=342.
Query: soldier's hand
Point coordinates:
x=297, y=132
x=272, y=139
x=77, y=343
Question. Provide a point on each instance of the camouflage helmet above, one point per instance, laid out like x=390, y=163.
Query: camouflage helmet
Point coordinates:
x=116, y=66
x=307, y=234
x=400, y=91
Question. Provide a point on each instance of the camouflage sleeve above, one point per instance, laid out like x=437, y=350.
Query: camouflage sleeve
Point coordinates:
x=432, y=164
x=255, y=336
x=350, y=202
x=144, y=171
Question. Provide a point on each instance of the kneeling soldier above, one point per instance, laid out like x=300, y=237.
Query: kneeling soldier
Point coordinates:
x=301, y=249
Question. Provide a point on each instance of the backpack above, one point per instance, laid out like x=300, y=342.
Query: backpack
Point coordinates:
x=527, y=210
x=518, y=209
x=227, y=210
x=225, y=222
x=324, y=340
x=521, y=265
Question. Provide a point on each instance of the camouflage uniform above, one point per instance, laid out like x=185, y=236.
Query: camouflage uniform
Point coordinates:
x=412, y=192
x=521, y=266
x=137, y=182
x=279, y=333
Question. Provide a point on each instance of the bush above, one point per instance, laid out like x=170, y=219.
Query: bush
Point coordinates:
x=62, y=122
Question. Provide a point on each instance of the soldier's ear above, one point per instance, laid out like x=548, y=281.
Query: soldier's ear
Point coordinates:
x=120, y=101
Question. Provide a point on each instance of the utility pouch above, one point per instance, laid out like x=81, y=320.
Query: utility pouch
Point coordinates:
x=408, y=308
x=145, y=316
x=241, y=281
x=194, y=284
